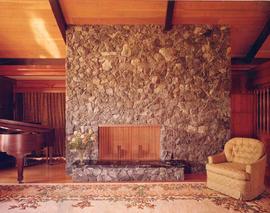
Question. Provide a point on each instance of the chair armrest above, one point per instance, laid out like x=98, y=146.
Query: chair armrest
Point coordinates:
x=218, y=158
x=257, y=174
x=257, y=167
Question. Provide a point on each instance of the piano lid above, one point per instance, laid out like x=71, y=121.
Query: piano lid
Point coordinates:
x=23, y=126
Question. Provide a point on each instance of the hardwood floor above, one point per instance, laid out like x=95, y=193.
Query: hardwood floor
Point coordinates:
x=55, y=173
x=44, y=173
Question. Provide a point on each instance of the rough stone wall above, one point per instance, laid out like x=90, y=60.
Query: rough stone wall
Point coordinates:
x=140, y=74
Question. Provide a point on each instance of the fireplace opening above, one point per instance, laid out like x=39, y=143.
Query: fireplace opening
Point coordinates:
x=129, y=142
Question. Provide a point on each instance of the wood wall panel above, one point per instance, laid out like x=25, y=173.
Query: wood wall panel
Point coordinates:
x=261, y=90
x=262, y=76
x=242, y=117
x=47, y=109
x=129, y=142
x=266, y=139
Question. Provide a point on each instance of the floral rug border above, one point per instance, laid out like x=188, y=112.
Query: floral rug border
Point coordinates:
x=135, y=195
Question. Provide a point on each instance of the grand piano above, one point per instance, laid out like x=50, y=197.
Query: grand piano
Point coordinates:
x=19, y=139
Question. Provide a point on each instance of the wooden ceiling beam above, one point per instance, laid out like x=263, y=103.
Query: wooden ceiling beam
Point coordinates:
x=169, y=15
x=241, y=65
x=32, y=61
x=60, y=19
x=243, y=61
x=258, y=43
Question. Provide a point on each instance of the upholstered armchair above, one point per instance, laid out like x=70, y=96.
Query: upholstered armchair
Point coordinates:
x=239, y=170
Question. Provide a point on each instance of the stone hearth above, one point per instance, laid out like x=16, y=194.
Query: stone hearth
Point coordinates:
x=128, y=171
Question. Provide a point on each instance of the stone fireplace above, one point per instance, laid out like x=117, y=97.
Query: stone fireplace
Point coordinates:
x=129, y=142
x=139, y=74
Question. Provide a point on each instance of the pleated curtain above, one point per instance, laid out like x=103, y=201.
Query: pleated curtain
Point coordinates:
x=47, y=109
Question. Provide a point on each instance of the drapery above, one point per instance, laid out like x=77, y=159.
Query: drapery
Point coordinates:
x=46, y=109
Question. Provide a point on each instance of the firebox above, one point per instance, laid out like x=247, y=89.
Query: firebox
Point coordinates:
x=129, y=142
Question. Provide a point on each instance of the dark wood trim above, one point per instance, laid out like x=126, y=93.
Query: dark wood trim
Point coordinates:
x=60, y=19
x=40, y=86
x=32, y=61
x=4, y=78
x=169, y=15
x=258, y=43
x=243, y=61
x=32, y=70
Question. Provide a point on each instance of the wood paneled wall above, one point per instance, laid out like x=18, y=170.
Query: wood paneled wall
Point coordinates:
x=242, y=117
x=242, y=106
x=262, y=110
x=261, y=91
x=47, y=109
x=262, y=76
x=129, y=142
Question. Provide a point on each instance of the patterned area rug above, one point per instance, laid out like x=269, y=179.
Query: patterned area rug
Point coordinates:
x=123, y=197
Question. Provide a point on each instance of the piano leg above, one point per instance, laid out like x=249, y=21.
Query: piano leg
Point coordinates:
x=50, y=154
x=49, y=150
x=20, y=165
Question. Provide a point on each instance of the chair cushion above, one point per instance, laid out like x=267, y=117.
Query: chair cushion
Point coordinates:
x=232, y=170
x=243, y=150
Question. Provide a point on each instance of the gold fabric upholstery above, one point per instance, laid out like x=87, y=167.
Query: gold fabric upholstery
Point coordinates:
x=238, y=171
x=243, y=150
x=233, y=170
x=218, y=158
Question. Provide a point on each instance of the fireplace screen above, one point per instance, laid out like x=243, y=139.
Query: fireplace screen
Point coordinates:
x=129, y=142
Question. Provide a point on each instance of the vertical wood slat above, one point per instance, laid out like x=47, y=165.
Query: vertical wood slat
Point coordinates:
x=264, y=111
x=268, y=111
x=254, y=112
x=123, y=142
x=260, y=111
x=258, y=115
x=262, y=103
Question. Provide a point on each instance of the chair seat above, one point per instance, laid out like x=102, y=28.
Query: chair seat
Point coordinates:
x=229, y=169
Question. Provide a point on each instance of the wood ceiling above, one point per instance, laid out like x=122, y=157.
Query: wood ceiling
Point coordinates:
x=30, y=30
x=246, y=19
